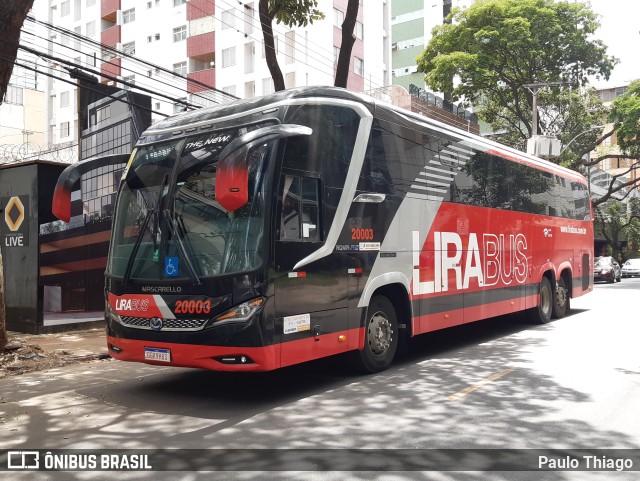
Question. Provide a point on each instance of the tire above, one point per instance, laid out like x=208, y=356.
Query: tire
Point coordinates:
x=561, y=300
x=541, y=314
x=619, y=279
x=381, y=337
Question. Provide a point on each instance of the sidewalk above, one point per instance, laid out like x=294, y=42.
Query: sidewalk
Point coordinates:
x=85, y=343
x=36, y=352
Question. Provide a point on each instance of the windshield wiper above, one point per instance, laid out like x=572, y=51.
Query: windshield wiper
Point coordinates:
x=136, y=246
x=181, y=248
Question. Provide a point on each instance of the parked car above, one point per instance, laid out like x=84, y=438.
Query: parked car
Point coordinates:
x=631, y=268
x=606, y=269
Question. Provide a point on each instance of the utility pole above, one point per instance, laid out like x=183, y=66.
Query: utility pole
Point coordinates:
x=534, y=88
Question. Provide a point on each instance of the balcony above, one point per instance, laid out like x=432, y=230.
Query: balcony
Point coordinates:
x=200, y=8
x=112, y=68
x=109, y=9
x=111, y=36
x=201, y=47
x=205, y=76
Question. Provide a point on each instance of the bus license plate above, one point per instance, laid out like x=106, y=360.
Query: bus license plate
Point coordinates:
x=157, y=354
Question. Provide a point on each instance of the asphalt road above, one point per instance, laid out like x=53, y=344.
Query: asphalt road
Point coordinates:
x=501, y=383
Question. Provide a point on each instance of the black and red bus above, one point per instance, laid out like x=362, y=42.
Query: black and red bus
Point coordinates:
x=315, y=221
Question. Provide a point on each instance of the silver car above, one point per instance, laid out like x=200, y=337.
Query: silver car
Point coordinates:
x=631, y=268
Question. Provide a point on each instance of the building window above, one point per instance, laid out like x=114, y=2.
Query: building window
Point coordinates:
x=358, y=66
x=91, y=29
x=267, y=86
x=359, y=30
x=129, y=79
x=338, y=17
x=180, y=68
x=13, y=95
x=336, y=56
x=177, y=3
x=180, y=33
x=228, y=19
x=64, y=129
x=231, y=90
x=65, y=8
x=129, y=48
x=98, y=186
x=151, y=38
x=90, y=3
x=64, y=99
x=179, y=106
x=228, y=57
x=129, y=16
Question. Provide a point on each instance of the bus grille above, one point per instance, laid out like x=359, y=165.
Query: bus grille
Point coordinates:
x=167, y=324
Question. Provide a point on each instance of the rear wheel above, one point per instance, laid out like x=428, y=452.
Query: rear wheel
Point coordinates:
x=381, y=337
x=561, y=300
x=542, y=313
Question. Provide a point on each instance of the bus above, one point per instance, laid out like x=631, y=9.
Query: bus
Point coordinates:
x=312, y=222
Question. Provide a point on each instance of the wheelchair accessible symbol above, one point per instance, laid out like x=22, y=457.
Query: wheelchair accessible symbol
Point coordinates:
x=171, y=267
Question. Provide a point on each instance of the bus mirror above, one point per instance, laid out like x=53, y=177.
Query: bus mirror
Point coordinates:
x=232, y=177
x=61, y=205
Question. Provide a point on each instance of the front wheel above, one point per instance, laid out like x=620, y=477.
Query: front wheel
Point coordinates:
x=542, y=313
x=381, y=337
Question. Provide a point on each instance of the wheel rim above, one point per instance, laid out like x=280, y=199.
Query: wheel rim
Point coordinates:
x=545, y=298
x=561, y=297
x=380, y=334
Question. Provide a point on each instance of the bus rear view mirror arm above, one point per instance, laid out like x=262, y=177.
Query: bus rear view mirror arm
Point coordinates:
x=232, y=178
x=61, y=206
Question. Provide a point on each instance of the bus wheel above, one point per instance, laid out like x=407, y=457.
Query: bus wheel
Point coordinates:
x=561, y=300
x=542, y=313
x=381, y=337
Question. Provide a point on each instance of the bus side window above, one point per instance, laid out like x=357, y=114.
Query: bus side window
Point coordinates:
x=300, y=213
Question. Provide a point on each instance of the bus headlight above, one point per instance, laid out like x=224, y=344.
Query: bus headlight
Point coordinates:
x=240, y=313
x=110, y=314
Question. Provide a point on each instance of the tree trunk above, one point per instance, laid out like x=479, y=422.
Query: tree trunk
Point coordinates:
x=346, y=46
x=12, y=15
x=266, y=21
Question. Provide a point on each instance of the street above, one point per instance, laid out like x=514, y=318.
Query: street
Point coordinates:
x=502, y=383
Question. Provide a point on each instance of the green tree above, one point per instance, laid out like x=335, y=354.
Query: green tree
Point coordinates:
x=487, y=53
x=12, y=15
x=300, y=13
x=617, y=226
x=625, y=117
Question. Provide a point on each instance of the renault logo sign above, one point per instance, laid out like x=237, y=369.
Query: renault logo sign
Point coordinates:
x=14, y=210
x=16, y=220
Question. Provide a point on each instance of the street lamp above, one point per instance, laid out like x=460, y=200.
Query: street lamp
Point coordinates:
x=593, y=127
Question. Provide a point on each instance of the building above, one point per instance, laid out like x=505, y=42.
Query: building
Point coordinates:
x=411, y=24
x=22, y=110
x=617, y=165
x=214, y=47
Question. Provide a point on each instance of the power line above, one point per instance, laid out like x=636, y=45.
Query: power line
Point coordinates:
x=85, y=86
x=85, y=39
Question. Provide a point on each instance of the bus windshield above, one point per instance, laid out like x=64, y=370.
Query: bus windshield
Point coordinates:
x=168, y=224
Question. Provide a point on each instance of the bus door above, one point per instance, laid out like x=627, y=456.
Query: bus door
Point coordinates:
x=310, y=302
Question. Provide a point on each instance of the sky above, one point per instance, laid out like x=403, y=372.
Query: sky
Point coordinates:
x=620, y=31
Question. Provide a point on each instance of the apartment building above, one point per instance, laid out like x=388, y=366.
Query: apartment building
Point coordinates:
x=411, y=24
x=216, y=47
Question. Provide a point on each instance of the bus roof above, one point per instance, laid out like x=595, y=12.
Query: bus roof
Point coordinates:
x=207, y=117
